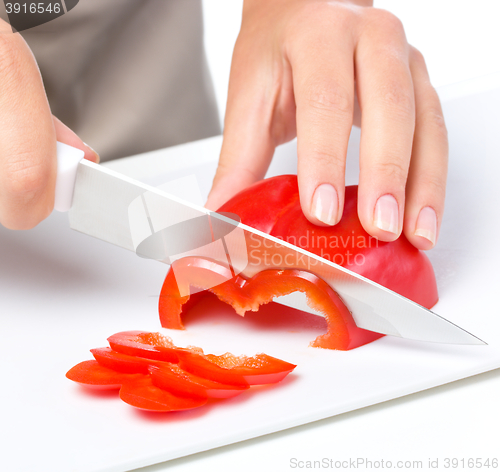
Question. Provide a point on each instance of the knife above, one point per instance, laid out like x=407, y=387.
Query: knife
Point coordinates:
x=135, y=216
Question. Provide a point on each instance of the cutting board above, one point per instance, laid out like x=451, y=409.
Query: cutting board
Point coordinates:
x=62, y=293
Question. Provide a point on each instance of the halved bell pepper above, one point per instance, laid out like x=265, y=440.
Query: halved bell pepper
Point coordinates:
x=273, y=206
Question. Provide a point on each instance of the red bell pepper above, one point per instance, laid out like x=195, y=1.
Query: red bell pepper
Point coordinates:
x=154, y=374
x=144, y=394
x=176, y=380
x=273, y=206
x=94, y=375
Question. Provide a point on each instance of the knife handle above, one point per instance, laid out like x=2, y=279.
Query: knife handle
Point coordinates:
x=68, y=159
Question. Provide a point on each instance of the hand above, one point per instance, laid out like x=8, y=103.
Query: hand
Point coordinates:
x=28, y=134
x=299, y=67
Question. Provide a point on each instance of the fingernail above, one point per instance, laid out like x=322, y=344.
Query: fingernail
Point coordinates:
x=387, y=214
x=427, y=224
x=325, y=204
x=97, y=157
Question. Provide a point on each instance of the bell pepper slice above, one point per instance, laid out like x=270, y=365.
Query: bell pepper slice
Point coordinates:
x=257, y=370
x=260, y=369
x=225, y=369
x=159, y=385
x=199, y=365
x=179, y=382
x=94, y=375
x=143, y=394
x=124, y=363
x=143, y=344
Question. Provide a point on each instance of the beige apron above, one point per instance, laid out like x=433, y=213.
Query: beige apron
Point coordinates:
x=128, y=76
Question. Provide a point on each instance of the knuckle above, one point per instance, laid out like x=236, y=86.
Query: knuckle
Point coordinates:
x=227, y=170
x=26, y=179
x=326, y=158
x=385, y=21
x=417, y=57
x=394, y=171
x=24, y=188
x=434, y=184
x=398, y=98
x=433, y=120
x=329, y=100
x=430, y=115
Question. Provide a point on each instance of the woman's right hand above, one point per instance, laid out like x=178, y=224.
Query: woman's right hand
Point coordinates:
x=28, y=135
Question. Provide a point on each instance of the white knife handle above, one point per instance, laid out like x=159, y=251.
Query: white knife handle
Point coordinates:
x=68, y=159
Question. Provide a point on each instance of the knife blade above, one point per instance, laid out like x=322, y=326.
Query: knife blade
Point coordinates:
x=155, y=224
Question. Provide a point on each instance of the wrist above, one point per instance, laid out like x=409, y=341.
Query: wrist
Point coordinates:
x=361, y=3
x=252, y=5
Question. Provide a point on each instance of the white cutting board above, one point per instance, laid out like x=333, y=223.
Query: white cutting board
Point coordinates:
x=62, y=293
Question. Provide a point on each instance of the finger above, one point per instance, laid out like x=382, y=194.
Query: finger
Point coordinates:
x=425, y=190
x=27, y=137
x=67, y=136
x=386, y=96
x=323, y=77
x=249, y=139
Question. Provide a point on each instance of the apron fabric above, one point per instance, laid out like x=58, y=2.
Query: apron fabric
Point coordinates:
x=128, y=76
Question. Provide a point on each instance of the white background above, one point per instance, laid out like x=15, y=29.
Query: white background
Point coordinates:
x=460, y=40
x=456, y=421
